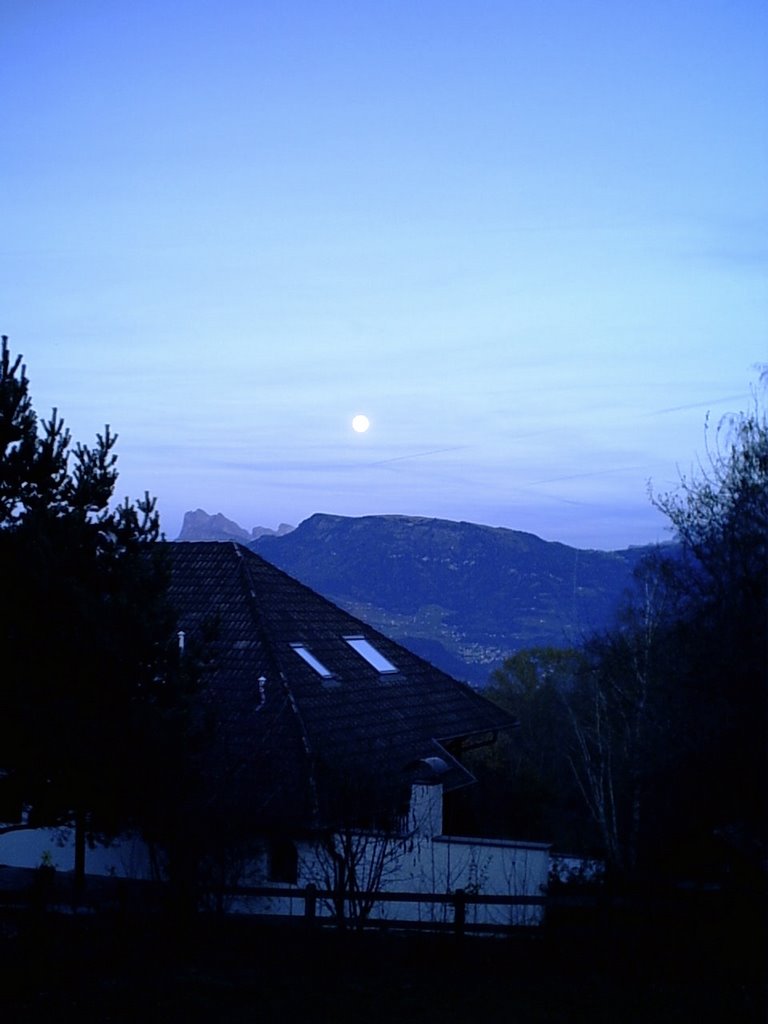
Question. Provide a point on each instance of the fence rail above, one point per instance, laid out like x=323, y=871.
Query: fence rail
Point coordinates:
x=458, y=900
x=317, y=907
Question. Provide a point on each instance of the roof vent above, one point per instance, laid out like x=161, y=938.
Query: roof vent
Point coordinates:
x=430, y=768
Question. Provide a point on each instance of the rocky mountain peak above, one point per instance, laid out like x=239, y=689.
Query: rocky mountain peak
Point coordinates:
x=199, y=525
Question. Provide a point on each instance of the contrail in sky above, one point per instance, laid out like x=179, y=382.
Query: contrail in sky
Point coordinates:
x=579, y=476
x=418, y=455
x=700, y=405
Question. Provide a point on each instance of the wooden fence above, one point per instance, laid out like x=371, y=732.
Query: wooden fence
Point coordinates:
x=314, y=907
x=458, y=902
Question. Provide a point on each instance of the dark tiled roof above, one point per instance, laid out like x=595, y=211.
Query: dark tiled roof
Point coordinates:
x=295, y=740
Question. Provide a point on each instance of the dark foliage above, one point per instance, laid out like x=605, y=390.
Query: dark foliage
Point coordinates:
x=717, y=796
x=658, y=723
x=87, y=671
x=526, y=788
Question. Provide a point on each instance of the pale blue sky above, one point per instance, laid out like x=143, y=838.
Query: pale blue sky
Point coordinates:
x=527, y=239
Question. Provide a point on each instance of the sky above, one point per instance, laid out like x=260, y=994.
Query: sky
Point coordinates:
x=527, y=239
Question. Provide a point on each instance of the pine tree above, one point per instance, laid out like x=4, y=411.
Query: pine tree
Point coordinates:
x=83, y=621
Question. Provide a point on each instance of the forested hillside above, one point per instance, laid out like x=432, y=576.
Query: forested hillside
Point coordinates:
x=462, y=595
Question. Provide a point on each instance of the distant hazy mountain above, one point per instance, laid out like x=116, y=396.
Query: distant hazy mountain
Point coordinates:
x=461, y=595
x=198, y=525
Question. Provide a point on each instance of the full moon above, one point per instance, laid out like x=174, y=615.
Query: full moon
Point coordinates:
x=360, y=423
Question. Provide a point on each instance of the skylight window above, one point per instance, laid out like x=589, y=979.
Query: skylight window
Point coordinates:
x=312, y=661
x=366, y=650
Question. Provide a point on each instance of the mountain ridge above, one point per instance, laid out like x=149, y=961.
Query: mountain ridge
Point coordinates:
x=462, y=595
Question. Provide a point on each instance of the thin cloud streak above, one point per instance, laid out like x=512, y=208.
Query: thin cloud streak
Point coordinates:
x=417, y=455
x=590, y=474
x=701, y=405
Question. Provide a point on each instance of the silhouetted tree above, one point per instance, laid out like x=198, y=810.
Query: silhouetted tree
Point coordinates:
x=660, y=721
x=669, y=710
x=83, y=621
x=720, y=518
x=358, y=851
x=620, y=711
x=526, y=784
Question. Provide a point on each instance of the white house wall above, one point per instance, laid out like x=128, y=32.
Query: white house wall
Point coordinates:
x=126, y=857
x=421, y=860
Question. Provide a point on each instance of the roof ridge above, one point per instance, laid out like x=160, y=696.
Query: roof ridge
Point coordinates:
x=274, y=657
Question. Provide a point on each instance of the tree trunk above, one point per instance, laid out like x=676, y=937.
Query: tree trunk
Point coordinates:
x=79, y=880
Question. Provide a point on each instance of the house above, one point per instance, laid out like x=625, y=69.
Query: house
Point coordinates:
x=336, y=744
x=331, y=752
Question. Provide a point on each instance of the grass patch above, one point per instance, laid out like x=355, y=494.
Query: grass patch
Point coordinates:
x=99, y=969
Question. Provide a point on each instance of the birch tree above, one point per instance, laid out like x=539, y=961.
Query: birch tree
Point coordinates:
x=618, y=718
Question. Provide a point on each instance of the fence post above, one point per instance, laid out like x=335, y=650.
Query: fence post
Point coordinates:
x=459, y=912
x=310, y=904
